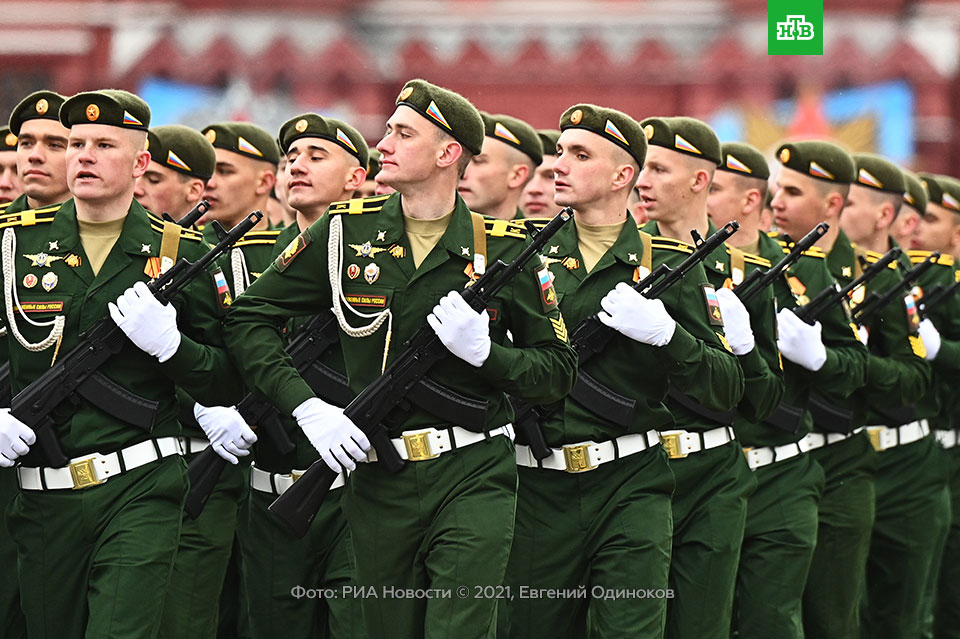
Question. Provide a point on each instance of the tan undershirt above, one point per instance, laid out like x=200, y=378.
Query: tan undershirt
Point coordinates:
x=753, y=247
x=596, y=240
x=98, y=239
x=424, y=235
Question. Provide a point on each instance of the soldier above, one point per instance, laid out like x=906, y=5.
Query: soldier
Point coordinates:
x=325, y=161
x=181, y=162
x=96, y=540
x=369, y=186
x=781, y=523
x=620, y=536
x=446, y=519
x=41, y=148
x=910, y=212
x=494, y=179
x=9, y=182
x=536, y=200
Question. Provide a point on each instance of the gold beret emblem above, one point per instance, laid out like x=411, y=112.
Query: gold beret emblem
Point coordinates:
x=93, y=112
x=785, y=155
x=11, y=139
x=648, y=131
x=300, y=126
x=406, y=93
x=211, y=135
x=42, y=106
x=146, y=147
x=576, y=116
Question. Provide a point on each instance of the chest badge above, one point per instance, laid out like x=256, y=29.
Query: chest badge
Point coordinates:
x=49, y=281
x=353, y=271
x=29, y=280
x=381, y=236
x=371, y=272
x=366, y=249
x=42, y=259
x=54, y=245
x=72, y=260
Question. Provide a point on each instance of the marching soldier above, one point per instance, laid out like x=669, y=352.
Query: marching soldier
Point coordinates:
x=713, y=479
x=494, y=179
x=536, y=199
x=96, y=539
x=9, y=182
x=181, y=162
x=41, y=148
x=914, y=199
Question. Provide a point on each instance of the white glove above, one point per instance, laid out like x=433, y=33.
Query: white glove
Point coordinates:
x=799, y=342
x=16, y=438
x=229, y=435
x=736, y=322
x=150, y=325
x=864, y=334
x=465, y=332
x=642, y=320
x=338, y=440
x=931, y=339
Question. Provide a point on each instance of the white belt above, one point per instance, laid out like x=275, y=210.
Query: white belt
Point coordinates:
x=578, y=458
x=429, y=443
x=884, y=437
x=819, y=440
x=766, y=455
x=95, y=469
x=680, y=443
x=193, y=445
x=277, y=483
x=947, y=438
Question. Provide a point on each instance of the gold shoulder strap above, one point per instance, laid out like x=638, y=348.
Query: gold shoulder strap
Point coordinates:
x=479, y=243
x=737, y=264
x=169, y=244
x=857, y=267
x=646, y=240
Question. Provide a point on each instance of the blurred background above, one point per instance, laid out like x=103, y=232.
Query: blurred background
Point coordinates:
x=887, y=82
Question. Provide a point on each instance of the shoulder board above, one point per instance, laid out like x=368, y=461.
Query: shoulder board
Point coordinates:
x=358, y=206
x=813, y=251
x=873, y=257
x=538, y=222
x=752, y=258
x=504, y=228
x=670, y=244
x=29, y=217
x=157, y=222
x=254, y=238
x=4, y=205
x=917, y=256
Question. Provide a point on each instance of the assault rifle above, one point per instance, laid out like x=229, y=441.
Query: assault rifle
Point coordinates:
x=937, y=296
x=759, y=279
x=830, y=296
x=297, y=507
x=876, y=301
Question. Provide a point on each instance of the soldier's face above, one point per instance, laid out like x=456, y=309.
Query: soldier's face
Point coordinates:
x=798, y=204
x=904, y=225
x=410, y=149
x=536, y=200
x=486, y=182
x=41, y=159
x=237, y=186
x=319, y=173
x=584, y=169
x=163, y=190
x=9, y=183
x=861, y=215
x=103, y=162
x=937, y=230
x=725, y=198
x=665, y=183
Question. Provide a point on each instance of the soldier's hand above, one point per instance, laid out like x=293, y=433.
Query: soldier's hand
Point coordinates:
x=931, y=339
x=465, y=332
x=800, y=342
x=16, y=438
x=229, y=435
x=736, y=322
x=338, y=440
x=642, y=320
x=150, y=325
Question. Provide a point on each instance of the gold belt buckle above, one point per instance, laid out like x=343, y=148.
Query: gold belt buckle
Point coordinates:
x=874, y=435
x=671, y=443
x=84, y=473
x=577, y=458
x=418, y=446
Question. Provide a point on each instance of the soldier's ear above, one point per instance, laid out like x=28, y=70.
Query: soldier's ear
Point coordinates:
x=355, y=178
x=266, y=181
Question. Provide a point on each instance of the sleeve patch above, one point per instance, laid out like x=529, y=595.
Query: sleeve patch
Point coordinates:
x=548, y=296
x=294, y=248
x=559, y=329
x=223, y=290
x=919, y=349
x=714, y=317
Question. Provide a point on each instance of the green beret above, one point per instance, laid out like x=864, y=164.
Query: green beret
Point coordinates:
x=515, y=133
x=8, y=141
x=743, y=159
x=915, y=193
x=182, y=149
x=244, y=139
x=612, y=125
x=877, y=172
x=683, y=135
x=820, y=159
x=448, y=110
x=548, y=138
x=39, y=105
x=942, y=190
x=112, y=107
x=373, y=164
x=311, y=125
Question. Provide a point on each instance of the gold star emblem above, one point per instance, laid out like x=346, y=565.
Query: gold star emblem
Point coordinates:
x=211, y=135
x=11, y=139
x=366, y=249
x=42, y=106
x=93, y=112
x=576, y=116
x=144, y=248
x=301, y=125
x=406, y=93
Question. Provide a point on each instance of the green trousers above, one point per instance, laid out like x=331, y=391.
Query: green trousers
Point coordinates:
x=947, y=610
x=831, y=598
x=436, y=526
x=12, y=623
x=602, y=531
x=278, y=568
x=709, y=514
x=778, y=543
x=96, y=563
x=910, y=510
x=191, y=607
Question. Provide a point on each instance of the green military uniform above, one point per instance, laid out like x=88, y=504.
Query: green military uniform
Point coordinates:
x=713, y=483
